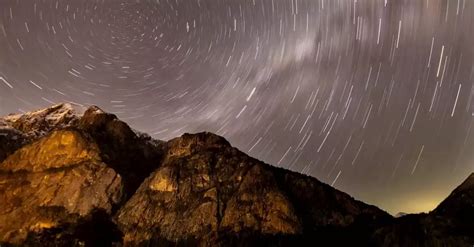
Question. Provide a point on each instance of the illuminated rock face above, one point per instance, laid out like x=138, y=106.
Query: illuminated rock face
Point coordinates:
x=91, y=180
x=207, y=193
x=65, y=172
x=20, y=129
x=134, y=155
x=58, y=179
x=204, y=188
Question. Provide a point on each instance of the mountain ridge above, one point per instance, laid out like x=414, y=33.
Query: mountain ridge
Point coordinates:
x=84, y=177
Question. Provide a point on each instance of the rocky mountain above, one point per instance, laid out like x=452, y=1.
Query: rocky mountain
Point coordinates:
x=17, y=130
x=81, y=177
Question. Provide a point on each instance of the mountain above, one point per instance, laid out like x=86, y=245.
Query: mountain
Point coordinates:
x=400, y=214
x=72, y=177
x=17, y=130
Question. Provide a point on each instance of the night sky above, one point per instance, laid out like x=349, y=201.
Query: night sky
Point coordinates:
x=373, y=97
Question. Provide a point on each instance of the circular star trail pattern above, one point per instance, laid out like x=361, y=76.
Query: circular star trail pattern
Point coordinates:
x=372, y=97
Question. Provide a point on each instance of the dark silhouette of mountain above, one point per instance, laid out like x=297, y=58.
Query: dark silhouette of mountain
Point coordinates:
x=400, y=214
x=450, y=224
x=72, y=177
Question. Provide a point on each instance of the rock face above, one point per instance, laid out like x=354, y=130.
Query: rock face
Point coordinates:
x=17, y=130
x=208, y=193
x=204, y=192
x=57, y=180
x=87, y=178
x=132, y=154
x=65, y=172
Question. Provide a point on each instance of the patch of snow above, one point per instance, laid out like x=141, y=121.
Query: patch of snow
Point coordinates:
x=40, y=122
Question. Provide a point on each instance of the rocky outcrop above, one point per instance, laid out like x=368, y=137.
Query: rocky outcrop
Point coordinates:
x=17, y=130
x=67, y=172
x=206, y=192
x=88, y=179
x=132, y=154
x=56, y=181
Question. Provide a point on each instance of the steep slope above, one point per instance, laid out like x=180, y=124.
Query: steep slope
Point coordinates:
x=57, y=180
x=45, y=184
x=17, y=130
x=208, y=193
x=458, y=209
x=329, y=215
x=460, y=203
x=134, y=155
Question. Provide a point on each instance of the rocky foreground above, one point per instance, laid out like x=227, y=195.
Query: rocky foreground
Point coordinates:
x=82, y=177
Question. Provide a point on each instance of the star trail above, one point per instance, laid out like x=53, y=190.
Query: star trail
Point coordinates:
x=372, y=97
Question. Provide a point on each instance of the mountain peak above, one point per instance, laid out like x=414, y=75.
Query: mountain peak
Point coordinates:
x=85, y=177
x=49, y=112
x=39, y=122
x=190, y=143
x=94, y=109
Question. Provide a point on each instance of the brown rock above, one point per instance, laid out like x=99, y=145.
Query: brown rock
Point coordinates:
x=17, y=130
x=55, y=181
x=203, y=189
x=207, y=193
x=71, y=180
x=259, y=205
x=131, y=154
